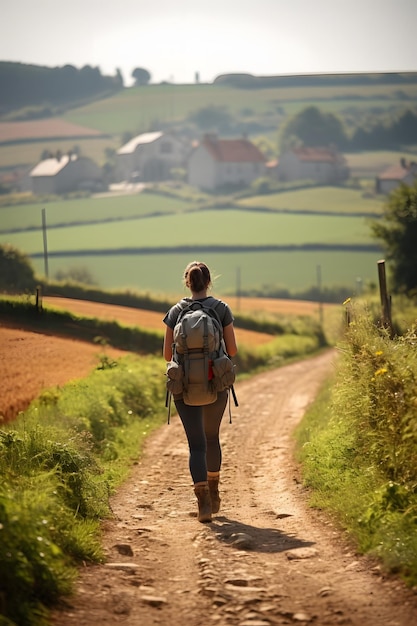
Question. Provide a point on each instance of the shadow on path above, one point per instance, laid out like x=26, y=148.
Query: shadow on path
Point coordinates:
x=254, y=538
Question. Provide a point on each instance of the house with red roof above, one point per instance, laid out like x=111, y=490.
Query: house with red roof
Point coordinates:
x=218, y=163
x=322, y=165
x=404, y=172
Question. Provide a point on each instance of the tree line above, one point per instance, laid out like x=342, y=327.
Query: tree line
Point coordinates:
x=23, y=85
x=313, y=127
x=248, y=81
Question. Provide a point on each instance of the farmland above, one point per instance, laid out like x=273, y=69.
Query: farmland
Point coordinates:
x=259, y=112
x=144, y=241
x=138, y=108
x=238, y=229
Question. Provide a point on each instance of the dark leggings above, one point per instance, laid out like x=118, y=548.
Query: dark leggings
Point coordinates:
x=202, y=425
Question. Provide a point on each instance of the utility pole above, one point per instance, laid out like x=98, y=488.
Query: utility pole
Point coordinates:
x=238, y=289
x=320, y=295
x=45, y=244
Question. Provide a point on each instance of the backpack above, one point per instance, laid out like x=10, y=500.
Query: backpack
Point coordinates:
x=200, y=366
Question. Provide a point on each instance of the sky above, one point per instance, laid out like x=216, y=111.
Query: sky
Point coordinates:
x=175, y=39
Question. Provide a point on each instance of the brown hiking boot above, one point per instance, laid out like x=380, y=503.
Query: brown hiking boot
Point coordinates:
x=204, y=504
x=213, y=484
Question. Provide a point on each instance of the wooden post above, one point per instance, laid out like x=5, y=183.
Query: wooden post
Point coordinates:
x=38, y=299
x=385, y=299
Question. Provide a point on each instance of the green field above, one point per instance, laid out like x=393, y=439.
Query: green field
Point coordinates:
x=259, y=112
x=321, y=199
x=141, y=241
x=216, y=228
x=326, y=199
x=142, y=108
x=87, y=210
x=161, y=273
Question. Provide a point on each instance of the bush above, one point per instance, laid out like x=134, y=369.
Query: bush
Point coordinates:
x=358, y=444
x=16, y=272
x=58, y=465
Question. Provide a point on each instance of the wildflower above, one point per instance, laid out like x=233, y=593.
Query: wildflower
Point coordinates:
x=381, y=371
x=378, y=353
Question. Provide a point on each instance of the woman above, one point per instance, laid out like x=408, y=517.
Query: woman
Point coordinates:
x=202, y=423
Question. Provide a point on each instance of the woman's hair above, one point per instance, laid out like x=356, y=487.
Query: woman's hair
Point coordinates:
x=197, y=276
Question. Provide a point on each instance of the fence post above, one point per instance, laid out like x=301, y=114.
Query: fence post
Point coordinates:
x=385, y=299
x=38, y=299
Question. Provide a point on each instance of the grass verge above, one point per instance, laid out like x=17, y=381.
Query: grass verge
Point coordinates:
x=59, y=463
x=358, y=445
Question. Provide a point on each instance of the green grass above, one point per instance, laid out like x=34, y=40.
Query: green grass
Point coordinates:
x=140, y=109
x=161, y=273
x=59, y=463
x=87, y=209
x=326, y=199
x=180, y=224
x=216, y=228
x=358, y=442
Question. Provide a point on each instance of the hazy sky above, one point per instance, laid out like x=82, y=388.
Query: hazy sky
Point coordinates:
x=174, y=39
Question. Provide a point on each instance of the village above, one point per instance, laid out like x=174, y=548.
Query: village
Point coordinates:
x=211, y=164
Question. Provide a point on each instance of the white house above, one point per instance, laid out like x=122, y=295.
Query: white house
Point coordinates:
x=323, y=165
x=150, y=157
x=66, y=173
x=217, y=163
x=404, y=172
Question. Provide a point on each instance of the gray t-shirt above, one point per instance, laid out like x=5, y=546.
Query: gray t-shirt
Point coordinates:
x=222, y=310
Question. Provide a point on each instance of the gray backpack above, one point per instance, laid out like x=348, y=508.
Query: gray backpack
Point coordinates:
x=200, y=366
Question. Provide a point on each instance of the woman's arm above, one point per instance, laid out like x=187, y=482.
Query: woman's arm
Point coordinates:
x=168, y=340
x=230, y=339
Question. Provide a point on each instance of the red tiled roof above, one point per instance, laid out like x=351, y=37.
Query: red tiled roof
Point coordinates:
x=395, y=172
x=233, y=150
x=316, y=154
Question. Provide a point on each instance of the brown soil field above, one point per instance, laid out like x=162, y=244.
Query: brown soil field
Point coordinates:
x=18, y=131
x=31, y=362
x=284, y=307
x=137, y=317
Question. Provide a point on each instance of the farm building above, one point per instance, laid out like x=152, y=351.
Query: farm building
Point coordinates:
x=216, y=163
x=404, y=172
x=150, y=157
x=323, y=165
x=66, y=173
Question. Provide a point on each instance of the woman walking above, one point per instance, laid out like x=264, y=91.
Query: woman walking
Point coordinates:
x=202, y=423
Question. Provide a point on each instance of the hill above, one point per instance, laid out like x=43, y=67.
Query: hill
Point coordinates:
x=104, y=105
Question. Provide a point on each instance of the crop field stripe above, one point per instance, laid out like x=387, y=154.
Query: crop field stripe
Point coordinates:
x=161, y=273
x=213, y=249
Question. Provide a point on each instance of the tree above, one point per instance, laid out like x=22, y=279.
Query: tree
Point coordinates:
x=76, y=274
x=141, y=76
x=314, y=128
x=398, y=231
x=212, y=117
x=16, y=271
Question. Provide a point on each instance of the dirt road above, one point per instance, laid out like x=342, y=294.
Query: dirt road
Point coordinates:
x=266, y=559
